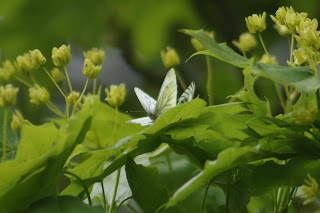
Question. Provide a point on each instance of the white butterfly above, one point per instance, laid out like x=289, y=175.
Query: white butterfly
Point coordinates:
x=167, y=99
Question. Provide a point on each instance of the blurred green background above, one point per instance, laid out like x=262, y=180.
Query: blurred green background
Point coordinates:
x=133, y=33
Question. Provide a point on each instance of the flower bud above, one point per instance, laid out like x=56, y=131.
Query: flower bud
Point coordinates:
x=281, y=14
x=170, y=58
x=116, y=95
x=246, y=42
x=57, y=75
x=61, y=56
x=16, y=122
x=310, y=190
x=24, y=64
x=37, y=58
x=197, y=45
x=38, y=95
x=72, y=98
x=268, y=59
x=305, y=115
x=7, y=71
x=293, y=21
x=282, y=29
x=301, y=57
x=256, y=23
x=8, y=95
x=95, y=55
x=90, y=70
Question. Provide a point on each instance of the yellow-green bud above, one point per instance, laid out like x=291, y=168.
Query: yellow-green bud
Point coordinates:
x=73, y=97
x=170, y=58
x=310, y=190
x=293, y=21
x=282, y=12
x=38, y=95
x=246, y=42
x=61, y=56
x=24, y=64
x=8, y=95
x=95, y=55
x=116, y=95
x=282, y=29
x=256, y=23
x=37, y=58
x=305, y=115
x=16, y=123
x=301, y=57
x=268, y=59
x=57, y=75
x=197, y=45
x=90, y=70
x=7, y=71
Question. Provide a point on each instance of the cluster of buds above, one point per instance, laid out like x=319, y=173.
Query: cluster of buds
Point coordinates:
x=246, y=42
x=256, y=23
x=38, y=95
x=8, y=95
x=57, y=75
x=170, y=58
x=305, y=115
x=197, y=45
x=306, y=34
x=61, y=56
x=17, y=121
x=310, y=190
x=7, y=70
x=116, y=95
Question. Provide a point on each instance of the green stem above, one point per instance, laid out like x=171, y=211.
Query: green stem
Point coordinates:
x=180, y=79
x=228, y=192
x=210, y=81
x=161, y=207
x=78, y=101
x=104, y=196
x=115, y=190
x=67, y=110
x=55, y=107
x=244, y=55
x=318, y=98
x=54, y=111
x=94, y=86
x=262, y=43
x=275, y=202
x=204, y=197
x=291, y=47
x=283, y=202
x=82, y=183
x=69, y=83
x=123, y=202
x=55, y=83
x=280, y=96
x=23, y=81
x=4, y=134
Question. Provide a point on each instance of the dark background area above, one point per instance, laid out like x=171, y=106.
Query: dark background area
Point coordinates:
x=133, y=33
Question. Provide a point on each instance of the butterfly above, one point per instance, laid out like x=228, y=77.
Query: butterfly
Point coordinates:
x=167, y=99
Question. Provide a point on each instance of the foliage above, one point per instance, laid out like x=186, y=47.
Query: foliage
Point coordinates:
x=236, y=153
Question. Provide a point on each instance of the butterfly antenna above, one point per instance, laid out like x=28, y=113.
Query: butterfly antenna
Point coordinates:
x=133, y=111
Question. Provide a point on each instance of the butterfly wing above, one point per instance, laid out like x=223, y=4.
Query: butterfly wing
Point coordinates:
x=148, y=103
x=145, y=121
x=167, y=97
x=188, y=94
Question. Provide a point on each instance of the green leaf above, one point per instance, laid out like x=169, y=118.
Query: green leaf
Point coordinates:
x=220, y=51
x=258, y=106
x=29, y=178
x=302, y=78
x=145, y=186
x=63, y=204
x=227, y=159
